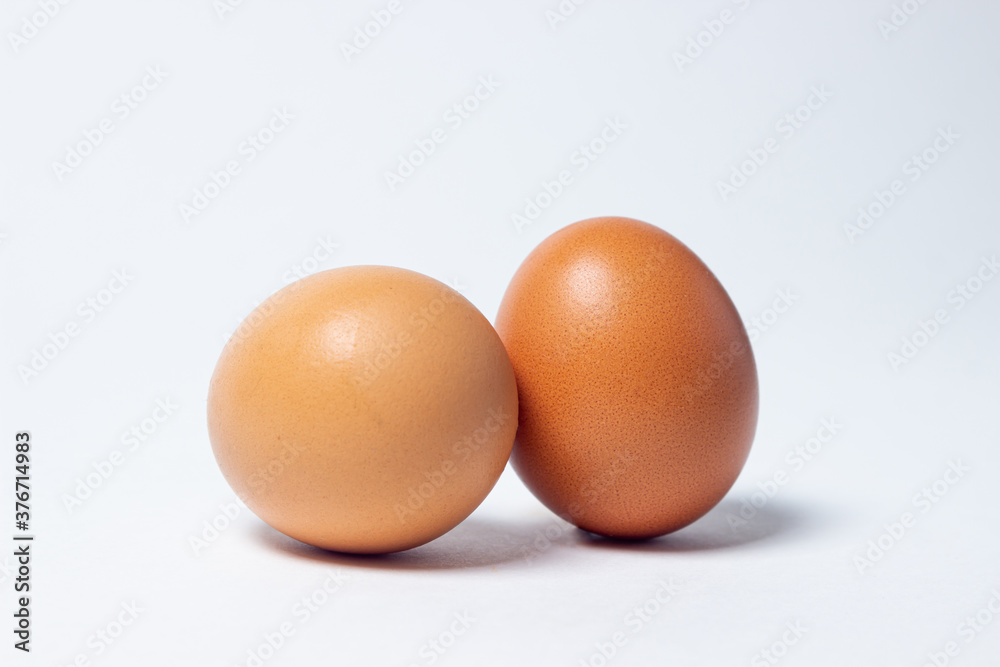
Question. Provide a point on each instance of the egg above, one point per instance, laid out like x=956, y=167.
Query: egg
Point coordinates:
x=636, y=381
x=364, y=409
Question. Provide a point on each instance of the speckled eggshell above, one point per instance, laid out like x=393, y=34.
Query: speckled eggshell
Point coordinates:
x=365, y=409
x=636, y=380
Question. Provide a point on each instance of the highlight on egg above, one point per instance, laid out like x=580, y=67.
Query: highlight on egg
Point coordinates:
x=637, y=385
x=364, y=409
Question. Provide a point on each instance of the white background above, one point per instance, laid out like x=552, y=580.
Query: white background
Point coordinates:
x=825, y=357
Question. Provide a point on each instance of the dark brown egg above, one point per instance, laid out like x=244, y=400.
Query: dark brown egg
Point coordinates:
x=636, y=382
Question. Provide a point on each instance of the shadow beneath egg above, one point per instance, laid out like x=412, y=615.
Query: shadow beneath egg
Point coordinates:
x=476, y=542
x=729, y=525
x=479, y=542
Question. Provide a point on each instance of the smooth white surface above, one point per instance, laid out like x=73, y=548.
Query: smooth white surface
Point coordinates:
x=323, y=177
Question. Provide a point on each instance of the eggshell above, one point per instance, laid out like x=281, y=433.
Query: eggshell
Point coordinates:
x=364, y=409
x=636, y=381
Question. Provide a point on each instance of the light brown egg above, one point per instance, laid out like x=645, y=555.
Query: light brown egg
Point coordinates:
x=364, y=409
x=636, y=381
